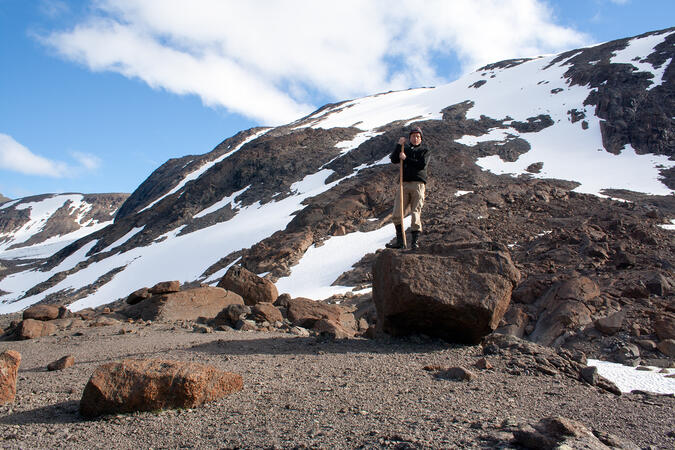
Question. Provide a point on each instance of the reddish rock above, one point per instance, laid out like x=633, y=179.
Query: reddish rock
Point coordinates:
x=664, y=327
x=190, y=304
x=667, y=347
x=457, y=292
x=153, y=384
x=304, y=312
x=563, y=308
x=165, y=287
x=262, y=312
x=457, y=373
x=232, y=314
x=252, y=288
x=9, y=367
x=332, y=329
x=31, y=329
x=63, y=363
x=611, y=324
x=41, y=312
x=86, y=314
x=483, y=364
x=515, y=320
x=560, y=432
x=138, y=296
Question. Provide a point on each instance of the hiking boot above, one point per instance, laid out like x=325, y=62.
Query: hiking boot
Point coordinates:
x=413, y=243
x=399, y=238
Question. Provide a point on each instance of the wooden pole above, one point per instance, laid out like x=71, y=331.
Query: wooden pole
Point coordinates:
x=400, y=185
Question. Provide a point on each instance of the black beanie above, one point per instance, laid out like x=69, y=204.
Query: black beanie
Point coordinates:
x=416, y=130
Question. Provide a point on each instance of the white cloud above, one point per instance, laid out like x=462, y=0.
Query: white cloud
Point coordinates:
x=86, y=160
x=261, y=58
x=18, y=158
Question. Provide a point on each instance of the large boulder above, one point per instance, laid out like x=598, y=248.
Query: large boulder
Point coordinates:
x=303, y=312
x=153, y=384
x=252, y=288
x=190, y=304
x=32, y=329
x=456, y=292
x=42, y=312
x=9, y=367
x=563, y=309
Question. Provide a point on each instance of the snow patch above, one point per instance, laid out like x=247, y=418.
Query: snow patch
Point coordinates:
x=629, y=379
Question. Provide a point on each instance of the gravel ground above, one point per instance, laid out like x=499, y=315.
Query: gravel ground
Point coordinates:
x=306, y=392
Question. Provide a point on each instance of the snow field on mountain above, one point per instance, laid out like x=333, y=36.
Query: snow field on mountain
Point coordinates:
x=170, y=257
x=636, y=51
x=123, y=239
x=321, y=265
x=561, y=147
x=40, y=212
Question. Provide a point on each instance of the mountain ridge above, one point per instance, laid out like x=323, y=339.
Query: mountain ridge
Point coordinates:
x=325, y=175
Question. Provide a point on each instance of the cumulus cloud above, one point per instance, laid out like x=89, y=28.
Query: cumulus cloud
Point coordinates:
x=262, y=59
x=18, y=158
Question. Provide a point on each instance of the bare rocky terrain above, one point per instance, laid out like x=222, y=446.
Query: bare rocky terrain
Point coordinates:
x=304, y=392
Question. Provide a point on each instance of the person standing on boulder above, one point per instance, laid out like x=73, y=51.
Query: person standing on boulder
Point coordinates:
x=415, y=157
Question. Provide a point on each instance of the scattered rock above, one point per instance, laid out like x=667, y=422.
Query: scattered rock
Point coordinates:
x=165, y=287
x=627, y=354
x=41, y=312
x=138, y=296
x=264, y=311
x=456, y=292
x=667, y=347
x=590, y=375
x=563, y=308
x=332, y=329
x=190, y=304
x=153, y=384
x=9, y=367
x=246, y=325
x=664, y=327
x=63, y=363
x=560, y=432
x=32, y=329
x=457, y=373
x=483, y=364
x=611, y=324
x=305, y=313
x=200, y=328
x=232, y=314
x=299, y=331
x=252, y=288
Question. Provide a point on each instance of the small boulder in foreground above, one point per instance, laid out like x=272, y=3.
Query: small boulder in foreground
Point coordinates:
x=154, y=384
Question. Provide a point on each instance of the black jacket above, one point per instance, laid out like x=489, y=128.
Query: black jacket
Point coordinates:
x=415, y=162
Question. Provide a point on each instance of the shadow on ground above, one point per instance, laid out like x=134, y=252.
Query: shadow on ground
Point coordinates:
x=312, y=346
x=59, y=413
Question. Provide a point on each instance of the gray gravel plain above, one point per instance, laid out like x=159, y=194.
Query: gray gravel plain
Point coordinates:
x=310, y=393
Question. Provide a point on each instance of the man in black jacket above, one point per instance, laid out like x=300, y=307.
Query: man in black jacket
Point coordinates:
x=415, y=157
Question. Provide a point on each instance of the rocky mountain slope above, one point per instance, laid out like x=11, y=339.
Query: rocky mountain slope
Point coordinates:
x=566, y=160
x=34, y=228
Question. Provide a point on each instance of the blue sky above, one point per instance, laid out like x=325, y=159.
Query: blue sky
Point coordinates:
x=95, y=95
